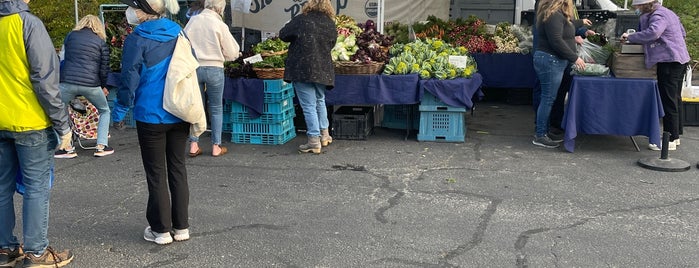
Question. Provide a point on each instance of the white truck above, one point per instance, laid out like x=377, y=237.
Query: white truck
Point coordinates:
x=494, y=11
x=617, y=19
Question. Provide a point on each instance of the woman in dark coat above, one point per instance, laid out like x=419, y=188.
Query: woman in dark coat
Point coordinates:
x=312, y=35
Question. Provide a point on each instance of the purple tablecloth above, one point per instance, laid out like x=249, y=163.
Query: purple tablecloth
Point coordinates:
x=612, y=106
x=506, y=70
x=454, y=92
x=374, y=89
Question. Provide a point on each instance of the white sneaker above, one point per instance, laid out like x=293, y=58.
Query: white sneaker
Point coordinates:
x=671, y=146
x=181, y=235
x=158, y=238
x=677, y=141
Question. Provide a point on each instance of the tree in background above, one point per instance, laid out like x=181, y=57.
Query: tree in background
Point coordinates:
x=50, y=11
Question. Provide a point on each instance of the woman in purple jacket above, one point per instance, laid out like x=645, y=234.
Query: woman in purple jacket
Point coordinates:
x=663, y=39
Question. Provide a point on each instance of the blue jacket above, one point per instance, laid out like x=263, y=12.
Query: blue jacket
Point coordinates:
x=86, y=59
x=144, y=63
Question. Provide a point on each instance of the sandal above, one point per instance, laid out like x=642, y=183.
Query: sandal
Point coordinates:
x=224, y=150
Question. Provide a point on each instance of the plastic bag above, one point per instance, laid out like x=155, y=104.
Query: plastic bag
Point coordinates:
x=593, y=53
x=592, y=69
x=689, y=91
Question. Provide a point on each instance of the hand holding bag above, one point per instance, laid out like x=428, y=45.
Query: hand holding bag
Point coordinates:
x=182, y=97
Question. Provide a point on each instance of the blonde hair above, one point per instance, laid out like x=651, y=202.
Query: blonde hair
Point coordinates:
x=93, y=23
x=547, y=8
x=322, y=6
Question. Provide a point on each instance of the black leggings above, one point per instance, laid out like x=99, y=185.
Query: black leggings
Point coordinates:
x=163, y=154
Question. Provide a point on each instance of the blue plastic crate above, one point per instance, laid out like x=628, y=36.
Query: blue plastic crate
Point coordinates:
x=396, y=116
x=258, y=128
x=268, y=118
x=264, y=139
x=442, y=126
x=267, y=108
x=275, y=85
x=275, y=95
x=430, y=102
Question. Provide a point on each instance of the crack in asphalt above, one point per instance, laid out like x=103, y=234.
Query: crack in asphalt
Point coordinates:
x=521, y=257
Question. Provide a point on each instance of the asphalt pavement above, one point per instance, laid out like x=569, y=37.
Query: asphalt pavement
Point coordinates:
x=495, y=200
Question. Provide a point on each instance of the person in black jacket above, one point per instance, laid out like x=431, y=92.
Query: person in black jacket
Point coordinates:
x=555, y=50
x=84, y=72
x=312, y=35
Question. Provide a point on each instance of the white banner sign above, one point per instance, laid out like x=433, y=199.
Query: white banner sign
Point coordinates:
x=270, y=15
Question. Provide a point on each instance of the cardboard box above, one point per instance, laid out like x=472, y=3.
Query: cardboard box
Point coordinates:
x=631, y=66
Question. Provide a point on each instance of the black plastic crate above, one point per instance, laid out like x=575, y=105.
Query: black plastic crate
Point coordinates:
x=690, y=113
x=353, y=122
x=625, y=20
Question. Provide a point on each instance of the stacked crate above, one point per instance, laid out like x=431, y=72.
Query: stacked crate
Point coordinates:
x=274, y=126
x=440, y=122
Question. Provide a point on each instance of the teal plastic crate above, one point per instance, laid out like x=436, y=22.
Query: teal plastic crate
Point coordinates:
x=268, y=118
x=396, y=116
x=275, y=95
x=264, y=139
x=270, y=134
x=442, y=126
x=267, y=108
x=430, y=102
x=258, y=128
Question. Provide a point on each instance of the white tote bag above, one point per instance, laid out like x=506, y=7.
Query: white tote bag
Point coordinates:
x=182, y=97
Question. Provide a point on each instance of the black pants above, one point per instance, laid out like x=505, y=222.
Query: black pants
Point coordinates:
x=670, y=76
x=557, y=110
x=163, y=154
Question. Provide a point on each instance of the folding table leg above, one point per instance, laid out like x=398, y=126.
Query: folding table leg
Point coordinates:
x=635, y=144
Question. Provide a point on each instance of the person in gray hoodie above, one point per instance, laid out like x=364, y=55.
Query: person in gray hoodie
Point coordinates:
x=32, y=114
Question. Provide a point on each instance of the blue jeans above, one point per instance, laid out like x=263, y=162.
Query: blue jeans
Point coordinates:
x=211, y=81
x=312, y=100
x=549, y=69
x=97, y=98
x=30, y=153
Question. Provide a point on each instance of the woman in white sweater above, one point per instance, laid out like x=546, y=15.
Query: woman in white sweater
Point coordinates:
x=213, y=44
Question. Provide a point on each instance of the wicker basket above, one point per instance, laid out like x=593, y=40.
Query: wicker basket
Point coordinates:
x=345, y=67
x=269, y=73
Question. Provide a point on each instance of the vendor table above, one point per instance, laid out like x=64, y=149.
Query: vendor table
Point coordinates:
x=506, y=70
x=612, y=106
x=374, y=89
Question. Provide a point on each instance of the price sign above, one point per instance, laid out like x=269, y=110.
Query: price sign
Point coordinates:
x=253, y=59
x=459, y=61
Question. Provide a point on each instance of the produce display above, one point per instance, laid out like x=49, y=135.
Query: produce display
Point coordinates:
x=238, y=68
x=346, y=43
x=429, y=59
x=273, y=51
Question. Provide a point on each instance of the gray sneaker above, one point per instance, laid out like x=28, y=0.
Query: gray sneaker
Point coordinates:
x=555, y=137
x=158, y=238
x=545, y=141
